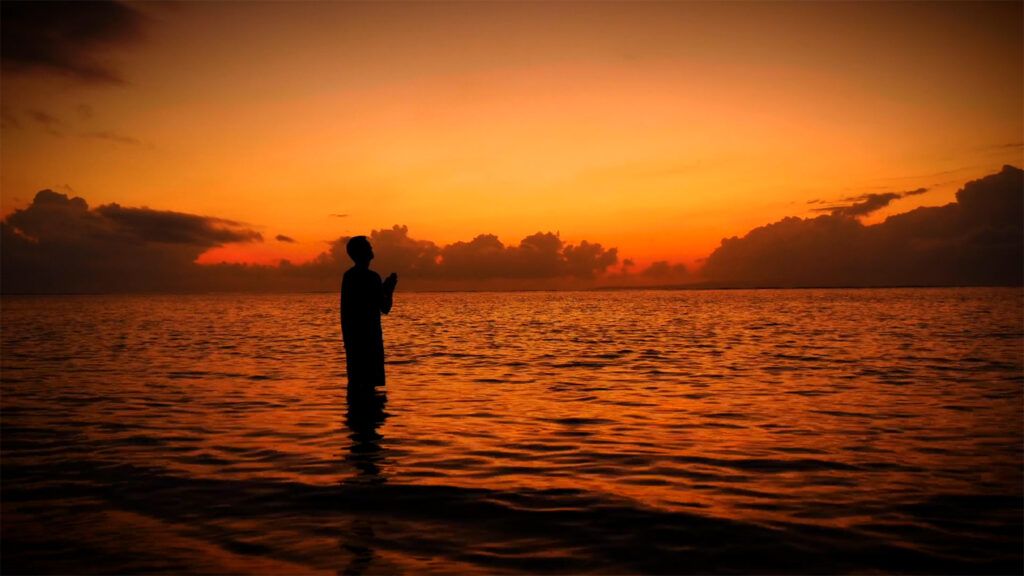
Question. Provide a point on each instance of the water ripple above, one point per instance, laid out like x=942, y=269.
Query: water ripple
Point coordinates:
x=738, y=431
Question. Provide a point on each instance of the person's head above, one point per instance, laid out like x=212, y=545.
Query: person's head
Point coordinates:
x=359, y=249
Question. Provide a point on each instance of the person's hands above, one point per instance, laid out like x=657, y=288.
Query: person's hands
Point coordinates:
x=390, y=282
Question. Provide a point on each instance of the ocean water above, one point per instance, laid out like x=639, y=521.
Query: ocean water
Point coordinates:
x=609, y=432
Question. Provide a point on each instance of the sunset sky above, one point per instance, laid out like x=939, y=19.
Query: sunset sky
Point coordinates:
x=655, y=128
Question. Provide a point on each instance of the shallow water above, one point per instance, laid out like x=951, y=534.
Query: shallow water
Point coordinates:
x=636, y=431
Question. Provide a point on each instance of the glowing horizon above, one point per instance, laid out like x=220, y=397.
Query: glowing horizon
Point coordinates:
x=657, y=129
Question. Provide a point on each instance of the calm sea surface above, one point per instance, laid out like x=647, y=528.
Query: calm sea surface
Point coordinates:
x=614, y=432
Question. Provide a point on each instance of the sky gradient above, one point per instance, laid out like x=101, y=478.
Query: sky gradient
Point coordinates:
x=657, y=129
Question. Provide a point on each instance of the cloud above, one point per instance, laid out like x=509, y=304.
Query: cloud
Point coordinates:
x=67, y=38
x=870, y=203
x=113, y=137
x=396, y=251
x=977, y=240
x=541, y=255
x=48, y=122
x=866, y=203
x=338, y=215
x=59, y=244
x=176, y=227
x=657, y=273
x=662, y=269
x=283, y=238
x=56, y=126
x=589, y=260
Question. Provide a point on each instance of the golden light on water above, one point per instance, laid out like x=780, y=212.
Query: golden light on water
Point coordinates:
x=672, y=426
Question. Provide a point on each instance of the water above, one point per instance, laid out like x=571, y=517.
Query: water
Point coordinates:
x=613, y=432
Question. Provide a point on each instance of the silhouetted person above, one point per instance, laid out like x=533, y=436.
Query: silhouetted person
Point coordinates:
x=363, y=299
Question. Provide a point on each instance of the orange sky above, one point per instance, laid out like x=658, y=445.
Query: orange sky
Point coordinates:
x=656, y=128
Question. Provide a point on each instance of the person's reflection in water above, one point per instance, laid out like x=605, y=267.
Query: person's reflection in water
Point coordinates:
x=364, y=297
x=363, y=418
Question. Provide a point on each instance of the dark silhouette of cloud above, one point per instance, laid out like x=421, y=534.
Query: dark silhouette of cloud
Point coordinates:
x=541, y=260
x=869, y=204
x=283, y=238
x=58, y=244
x=397, y=252
x=589, y=260
x=541, y=255
x=176, y=227
x=977, y=240
x=658, y=273
x=866, y=203
x=662, y=269
x=67, y=38
x=338, y=215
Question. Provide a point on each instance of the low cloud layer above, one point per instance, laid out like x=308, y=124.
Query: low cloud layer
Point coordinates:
x=542, y=260
x=58, y=244
x=976, y=240
x=540, y=256
x=657, y=273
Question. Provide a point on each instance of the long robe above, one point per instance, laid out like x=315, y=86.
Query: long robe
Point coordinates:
x=363, y=299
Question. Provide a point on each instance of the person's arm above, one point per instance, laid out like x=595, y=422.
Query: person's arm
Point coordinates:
x=388, y=292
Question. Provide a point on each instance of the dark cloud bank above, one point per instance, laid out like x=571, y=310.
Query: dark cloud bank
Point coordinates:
x=976, y=240
x=59, y=245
